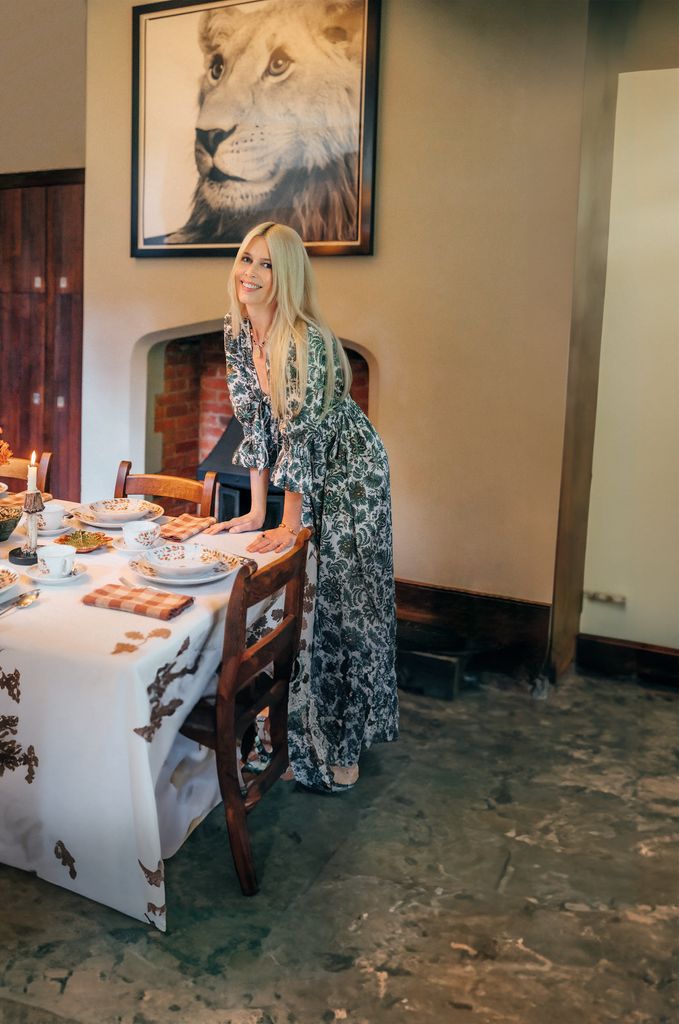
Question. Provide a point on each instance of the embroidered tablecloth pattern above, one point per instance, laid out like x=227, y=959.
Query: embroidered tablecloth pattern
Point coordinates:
x=96, y=785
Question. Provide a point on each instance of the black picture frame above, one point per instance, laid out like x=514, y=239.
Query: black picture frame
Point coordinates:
x=324, y=54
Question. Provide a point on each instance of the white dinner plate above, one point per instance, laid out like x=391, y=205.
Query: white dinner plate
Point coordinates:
x=83, y=513
x=34, y=571
x=7, y=579
x=214, y=572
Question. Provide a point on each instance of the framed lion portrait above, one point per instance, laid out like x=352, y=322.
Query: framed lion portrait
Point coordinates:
x=253, y=110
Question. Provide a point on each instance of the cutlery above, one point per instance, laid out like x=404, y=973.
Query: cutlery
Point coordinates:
x=22, y=601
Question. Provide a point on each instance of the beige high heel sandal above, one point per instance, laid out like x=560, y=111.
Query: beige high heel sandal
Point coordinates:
x=343, y=777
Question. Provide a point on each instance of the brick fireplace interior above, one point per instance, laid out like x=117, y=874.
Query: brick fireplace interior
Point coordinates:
x=192, y=409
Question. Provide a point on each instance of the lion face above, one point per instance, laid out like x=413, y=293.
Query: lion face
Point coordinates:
x=280, y=93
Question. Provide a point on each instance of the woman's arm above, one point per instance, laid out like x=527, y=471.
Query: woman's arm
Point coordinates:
x=254, y=519
x=283, y=536
x=292, y=471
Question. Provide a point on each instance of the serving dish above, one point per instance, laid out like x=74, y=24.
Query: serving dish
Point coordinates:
x=84, y=541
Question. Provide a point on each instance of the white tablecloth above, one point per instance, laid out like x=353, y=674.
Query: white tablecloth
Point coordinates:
x=96, y=785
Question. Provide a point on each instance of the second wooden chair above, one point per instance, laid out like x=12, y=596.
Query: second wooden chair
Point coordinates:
x=200, y=492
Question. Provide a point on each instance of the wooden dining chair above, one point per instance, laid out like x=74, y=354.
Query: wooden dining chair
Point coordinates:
x=200, y=492
x=244, y=690
x=17, y=470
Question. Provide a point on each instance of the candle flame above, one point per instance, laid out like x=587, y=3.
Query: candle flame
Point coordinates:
x=33, y=458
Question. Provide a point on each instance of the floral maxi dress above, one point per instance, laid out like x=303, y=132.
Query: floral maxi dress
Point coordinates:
x=343, y=694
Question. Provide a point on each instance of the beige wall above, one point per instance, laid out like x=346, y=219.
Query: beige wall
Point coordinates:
x=42, y=99
x=464, y=308
x=633, y=533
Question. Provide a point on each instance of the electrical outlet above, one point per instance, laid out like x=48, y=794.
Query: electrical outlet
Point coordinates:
x=603, y=598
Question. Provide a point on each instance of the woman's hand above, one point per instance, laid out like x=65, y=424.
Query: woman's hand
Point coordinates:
x=277, y=539
x=239, y=524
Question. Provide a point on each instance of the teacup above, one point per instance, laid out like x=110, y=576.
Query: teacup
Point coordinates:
x=51, y=517
x=56, y=560
x=140, y=534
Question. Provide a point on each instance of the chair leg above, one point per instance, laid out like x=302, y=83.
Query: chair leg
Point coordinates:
x=241, y=848
x=236, y=824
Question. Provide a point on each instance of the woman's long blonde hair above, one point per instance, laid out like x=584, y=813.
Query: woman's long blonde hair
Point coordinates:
x=296, y=309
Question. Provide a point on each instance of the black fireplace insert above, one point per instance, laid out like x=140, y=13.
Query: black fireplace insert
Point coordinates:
x=234, y=481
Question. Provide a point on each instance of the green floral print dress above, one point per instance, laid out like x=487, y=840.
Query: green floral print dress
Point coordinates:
x=343, y=695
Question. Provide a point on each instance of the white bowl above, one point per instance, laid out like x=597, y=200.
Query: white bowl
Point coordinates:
x=119, y=510
x=180, y=559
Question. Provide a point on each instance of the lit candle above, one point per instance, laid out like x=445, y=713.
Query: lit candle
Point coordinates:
x=32, y=483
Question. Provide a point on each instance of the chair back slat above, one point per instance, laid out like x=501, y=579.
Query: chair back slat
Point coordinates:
x=273, y=577
x=267, y=650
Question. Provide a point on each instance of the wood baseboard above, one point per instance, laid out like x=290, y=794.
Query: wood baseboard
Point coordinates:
x=607, y=656
x=497, y=632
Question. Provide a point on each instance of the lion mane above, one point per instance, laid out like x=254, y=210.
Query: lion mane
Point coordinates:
x=277, y=132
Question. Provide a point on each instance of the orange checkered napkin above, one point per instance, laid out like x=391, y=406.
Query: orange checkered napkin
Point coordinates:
x=139, y=600
x=185, y=526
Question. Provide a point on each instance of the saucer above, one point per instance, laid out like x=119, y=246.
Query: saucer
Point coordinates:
x=119, y=544
x=46, y=533
x=54, y=533
x=79, y=570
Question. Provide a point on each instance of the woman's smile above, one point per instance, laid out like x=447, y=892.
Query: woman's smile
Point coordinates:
x=255, y=277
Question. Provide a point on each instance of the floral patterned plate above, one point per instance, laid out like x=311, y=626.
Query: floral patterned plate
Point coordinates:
x=45, y=533
x=191, y=559
x=215, y=566
x=119, y=544
x=7, y=579
x=88, y=515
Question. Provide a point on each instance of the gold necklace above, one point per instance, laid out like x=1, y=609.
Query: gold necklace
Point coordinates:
x=258, y=345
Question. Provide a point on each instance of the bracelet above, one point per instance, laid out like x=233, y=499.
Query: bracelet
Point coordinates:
x=290, y=529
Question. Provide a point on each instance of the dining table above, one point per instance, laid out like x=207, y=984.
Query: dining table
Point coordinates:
x=97, y=785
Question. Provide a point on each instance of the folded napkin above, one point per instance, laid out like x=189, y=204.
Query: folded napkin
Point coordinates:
x=185, y=526
x=139, y=600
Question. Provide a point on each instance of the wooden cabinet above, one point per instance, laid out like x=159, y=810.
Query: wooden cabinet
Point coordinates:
x=23, y=240
x=41, y=280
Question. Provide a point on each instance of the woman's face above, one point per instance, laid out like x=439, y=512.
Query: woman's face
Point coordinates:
x=254, y=278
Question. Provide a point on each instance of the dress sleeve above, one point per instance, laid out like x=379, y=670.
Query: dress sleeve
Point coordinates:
x=292, y=471
x=259, y=447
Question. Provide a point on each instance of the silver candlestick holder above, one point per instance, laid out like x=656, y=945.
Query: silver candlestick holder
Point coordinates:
x=27, y=553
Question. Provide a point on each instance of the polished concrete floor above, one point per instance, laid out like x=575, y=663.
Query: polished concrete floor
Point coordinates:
x=508, y=860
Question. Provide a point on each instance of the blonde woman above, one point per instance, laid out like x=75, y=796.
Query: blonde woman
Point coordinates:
x=289, y=380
